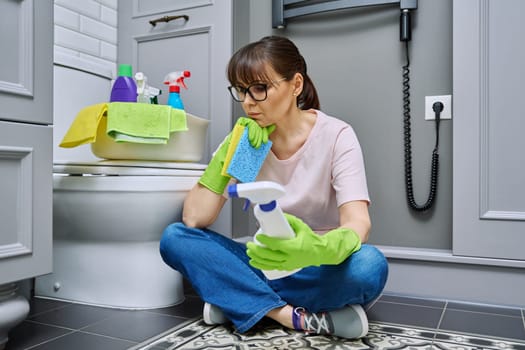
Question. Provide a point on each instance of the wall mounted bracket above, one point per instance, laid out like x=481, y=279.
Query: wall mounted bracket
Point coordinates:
x=286, y=9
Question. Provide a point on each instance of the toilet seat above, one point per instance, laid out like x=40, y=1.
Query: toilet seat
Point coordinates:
x=128, y=168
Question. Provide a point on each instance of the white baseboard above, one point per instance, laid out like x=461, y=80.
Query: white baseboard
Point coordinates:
x=438, y=274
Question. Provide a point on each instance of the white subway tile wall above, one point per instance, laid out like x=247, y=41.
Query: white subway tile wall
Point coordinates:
x=86, y=35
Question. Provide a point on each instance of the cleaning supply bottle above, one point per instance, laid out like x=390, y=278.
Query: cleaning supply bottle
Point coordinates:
x=140, y=81
x=175, y=80
x=145, y=93
x=124, y=88
x=268, y=213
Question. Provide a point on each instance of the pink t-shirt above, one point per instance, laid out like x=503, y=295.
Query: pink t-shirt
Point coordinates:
x=326, y=172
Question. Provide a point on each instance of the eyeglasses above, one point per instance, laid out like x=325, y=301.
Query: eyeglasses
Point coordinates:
x=257, y=91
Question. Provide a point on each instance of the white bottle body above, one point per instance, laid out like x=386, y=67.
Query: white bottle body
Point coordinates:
x=270, y=216
x=273, y=223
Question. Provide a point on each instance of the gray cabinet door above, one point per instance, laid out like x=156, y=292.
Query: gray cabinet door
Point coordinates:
x=489, y=124
x=202, y=44
x=26, y=74
x=26, y=70
x=25, y=200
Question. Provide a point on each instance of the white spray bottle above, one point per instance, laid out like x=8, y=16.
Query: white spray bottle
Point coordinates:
x=175, y=80
x=271, y=219
x=145, y=93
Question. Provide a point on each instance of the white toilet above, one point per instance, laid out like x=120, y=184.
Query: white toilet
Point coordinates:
x=107, y=221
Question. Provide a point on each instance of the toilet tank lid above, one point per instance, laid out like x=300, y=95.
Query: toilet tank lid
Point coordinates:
x=128, y=167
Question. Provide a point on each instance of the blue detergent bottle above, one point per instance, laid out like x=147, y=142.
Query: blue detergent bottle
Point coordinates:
x=174, y=99
x=124, y=88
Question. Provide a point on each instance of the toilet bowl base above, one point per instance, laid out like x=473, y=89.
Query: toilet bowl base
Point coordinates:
x=124, y=275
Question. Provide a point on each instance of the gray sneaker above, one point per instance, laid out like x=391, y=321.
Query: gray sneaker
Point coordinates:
x=349, y=322
x=213, y=315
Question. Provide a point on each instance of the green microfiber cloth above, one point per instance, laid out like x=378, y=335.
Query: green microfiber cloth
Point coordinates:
x=143, y=123
x=177, y=120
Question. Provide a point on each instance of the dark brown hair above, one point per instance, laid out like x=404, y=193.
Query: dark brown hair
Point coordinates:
x=248, y=64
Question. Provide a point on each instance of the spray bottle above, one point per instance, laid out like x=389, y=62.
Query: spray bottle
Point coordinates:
x=145, y=93
x=271, y=219
x=124, y=88
x=175, y=80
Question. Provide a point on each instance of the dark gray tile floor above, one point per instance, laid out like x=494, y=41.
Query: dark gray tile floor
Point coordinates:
x=59, y=325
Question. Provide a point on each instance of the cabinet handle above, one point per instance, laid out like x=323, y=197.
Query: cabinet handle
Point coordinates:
x=167, y=19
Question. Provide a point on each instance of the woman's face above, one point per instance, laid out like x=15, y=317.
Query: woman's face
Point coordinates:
x=280, y=100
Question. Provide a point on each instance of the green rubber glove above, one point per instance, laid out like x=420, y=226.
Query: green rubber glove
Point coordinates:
x=256, y=134
x=212, y=178
x=306, y=249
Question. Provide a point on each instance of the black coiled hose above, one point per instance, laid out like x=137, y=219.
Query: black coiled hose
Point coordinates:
x=408, y=148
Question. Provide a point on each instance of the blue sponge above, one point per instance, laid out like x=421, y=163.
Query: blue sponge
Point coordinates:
x=247, y=160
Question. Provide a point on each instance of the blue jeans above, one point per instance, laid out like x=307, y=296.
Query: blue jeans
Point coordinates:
x=218, y=270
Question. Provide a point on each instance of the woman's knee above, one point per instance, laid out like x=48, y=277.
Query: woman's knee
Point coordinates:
x=371, y=268
x=172, y=239
x=372, y=257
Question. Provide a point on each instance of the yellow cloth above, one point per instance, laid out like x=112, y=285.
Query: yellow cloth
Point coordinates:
x=84, y=127
x=144, y=123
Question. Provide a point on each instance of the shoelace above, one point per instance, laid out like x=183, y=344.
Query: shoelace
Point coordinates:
x=314, y=323
x=319, y=325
